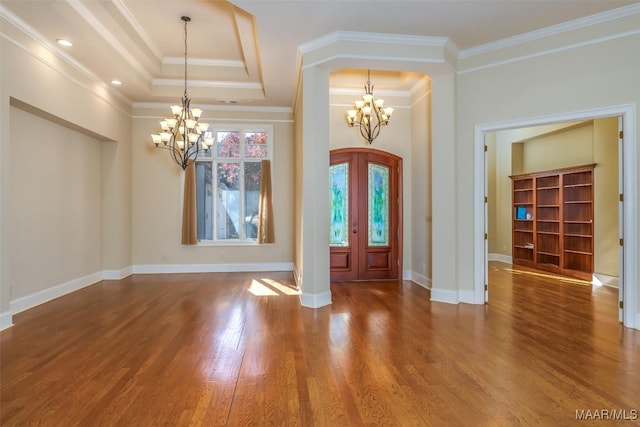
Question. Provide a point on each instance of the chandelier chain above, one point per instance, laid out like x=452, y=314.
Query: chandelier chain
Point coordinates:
x=186, y=19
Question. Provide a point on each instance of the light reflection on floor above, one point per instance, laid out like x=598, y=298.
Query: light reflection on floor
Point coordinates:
x=270, y=287
x=546, y=276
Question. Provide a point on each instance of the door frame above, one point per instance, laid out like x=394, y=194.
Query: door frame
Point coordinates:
x=627, y=169
x=400, y=233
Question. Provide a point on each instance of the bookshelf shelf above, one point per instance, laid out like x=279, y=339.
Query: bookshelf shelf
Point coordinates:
x=553, y=221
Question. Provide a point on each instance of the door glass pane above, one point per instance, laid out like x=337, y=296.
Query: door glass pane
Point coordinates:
x=228, y=206
x=339, y=189
x=204, y=200
x=378, y=211
x=251, y=198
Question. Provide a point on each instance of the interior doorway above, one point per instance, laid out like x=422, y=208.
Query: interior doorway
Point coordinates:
x=627, y=188
x=366, y=214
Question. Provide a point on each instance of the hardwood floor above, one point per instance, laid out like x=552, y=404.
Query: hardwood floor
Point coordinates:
x=237, y=349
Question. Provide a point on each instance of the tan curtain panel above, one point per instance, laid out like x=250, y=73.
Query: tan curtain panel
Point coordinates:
x=266, y=232
x=189, y=213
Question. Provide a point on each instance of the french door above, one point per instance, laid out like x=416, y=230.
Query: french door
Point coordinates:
x=366, y=215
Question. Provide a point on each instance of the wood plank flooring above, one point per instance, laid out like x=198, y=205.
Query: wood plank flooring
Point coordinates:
x=237, y=349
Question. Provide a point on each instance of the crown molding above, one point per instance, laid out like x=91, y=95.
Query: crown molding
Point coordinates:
x=551, y=31
x=422, y=86
x=174, y=60
x=108, y=37
x=30, y=32
x=207, y=83
x=379, y=93
x=548, y=52
x=126, y=13
x=376, y=58
x=210, y=107
x=353, y=36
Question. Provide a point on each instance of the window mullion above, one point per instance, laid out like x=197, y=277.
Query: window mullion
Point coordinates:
x=242, y=196
x=214, y=200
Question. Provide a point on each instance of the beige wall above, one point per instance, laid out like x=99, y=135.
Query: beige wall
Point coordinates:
x=491, y=165
x=569, y=147
x=605, y=156
x=542, y=85
x=420, y=209
x=56, y=204
x=298, y=185
x=509, y=160
x=157, y=196
x=51, y=96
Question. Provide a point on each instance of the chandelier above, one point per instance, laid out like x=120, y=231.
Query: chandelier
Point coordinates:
x=369, y=114
x=182, y=134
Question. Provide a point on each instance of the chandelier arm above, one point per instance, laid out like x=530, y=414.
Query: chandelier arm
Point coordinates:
x=175, y=153
x=365, y=131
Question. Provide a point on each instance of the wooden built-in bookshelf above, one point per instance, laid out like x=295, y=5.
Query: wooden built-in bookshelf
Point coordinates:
x=553, y=221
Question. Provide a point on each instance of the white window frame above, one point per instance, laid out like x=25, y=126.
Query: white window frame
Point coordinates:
x=213, y=160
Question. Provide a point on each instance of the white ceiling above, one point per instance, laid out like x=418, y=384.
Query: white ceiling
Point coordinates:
x=245, y=51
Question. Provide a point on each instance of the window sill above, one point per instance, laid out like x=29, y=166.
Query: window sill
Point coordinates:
x=231, y=243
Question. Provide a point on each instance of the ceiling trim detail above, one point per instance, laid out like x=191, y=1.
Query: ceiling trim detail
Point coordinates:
x=549, y=51
x=30, y=32
x=209, y=107
x=358, y=92
x=144, y=36
x=207, y=83
x=174, y=60
x=352, y=36
x=552, y=30
x=108, y=37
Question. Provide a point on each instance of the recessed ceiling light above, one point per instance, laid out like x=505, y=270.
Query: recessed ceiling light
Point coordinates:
x=116, y=82
x=64, y=42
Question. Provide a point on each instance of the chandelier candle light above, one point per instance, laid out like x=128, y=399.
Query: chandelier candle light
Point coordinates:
x=182, y=134
x=369, y=114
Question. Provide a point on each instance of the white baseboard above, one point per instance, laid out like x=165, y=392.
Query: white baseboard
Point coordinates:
x=211, y=268
x=29, y=301
x=455, y=297
x=605, y=280
x=444, y=295
x=6, y=320
x=117, y=274
x=297, y=278
x=467, y=296
x=310, y=300
x=637, y=325
x=419, y=279
x=40, y=297
x=507, y=259
x=315, y=300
